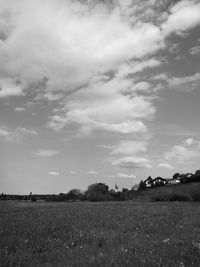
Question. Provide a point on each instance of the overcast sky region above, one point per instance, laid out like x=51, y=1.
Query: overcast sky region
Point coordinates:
x=97, y=91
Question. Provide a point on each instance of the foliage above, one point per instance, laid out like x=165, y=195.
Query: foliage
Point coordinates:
x=170, y=197
x=98, y=192
x=196, y=195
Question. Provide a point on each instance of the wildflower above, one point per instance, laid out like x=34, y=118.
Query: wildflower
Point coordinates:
x=166, y=240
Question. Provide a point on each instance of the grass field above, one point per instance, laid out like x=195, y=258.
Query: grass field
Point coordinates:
x=100, y=234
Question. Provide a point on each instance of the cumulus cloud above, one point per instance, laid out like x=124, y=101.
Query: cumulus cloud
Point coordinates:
x=15, y=134
x=10, y=87
x=125, y=175
x=188, y=150
x=46, y=152
x=97, y=107
x=183, y=16
x=132, y=162
x=166, y=166
x=67, y=48
x=84, y=55
x=67, y=42
x=20, y=109
x=194, y=50
x=54, y=173
x=189, y=141
x=186, y=83
x=129, y=147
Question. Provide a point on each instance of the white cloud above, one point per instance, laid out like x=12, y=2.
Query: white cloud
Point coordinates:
x=46, y=152
x=15, y=134
x=105, y=146
x=183, y=16
x=189, y=141
x=132, y=162
x=188, y=150
x=125, y=175
x=129, y=147
x=166, y=166
x=4, y=132
x=19, y=109
x=161, y=76
x=97, y=107
x=136, y=66
x=67, y=48
x=54, y=173
x=10, y=87
x=132, y=150
x=194, y=50
x=67, y=42
x=186, y=83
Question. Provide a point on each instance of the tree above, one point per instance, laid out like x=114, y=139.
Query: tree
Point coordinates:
x=97, y=192
x=176, y=176
x=142, y=185
x=75, y=194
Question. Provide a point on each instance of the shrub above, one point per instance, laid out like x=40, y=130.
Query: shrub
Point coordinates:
x=196, y=196
x=179, y=197
x=33, y=199
x=170, y=197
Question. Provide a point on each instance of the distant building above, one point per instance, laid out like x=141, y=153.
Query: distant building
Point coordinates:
x=135, y=187
x=116, y=188
x=172, y=181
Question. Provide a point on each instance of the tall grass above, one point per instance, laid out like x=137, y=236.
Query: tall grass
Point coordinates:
x=100, y=234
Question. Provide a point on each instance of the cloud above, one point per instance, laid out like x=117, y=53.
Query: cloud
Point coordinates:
x=97, y=108
x=134, y=67
x=188, y=150
x=84, y=56
x=129, y=147
x=186, y=83
x=19, y=109
x=54, y=173
x=68, y=47
x=166, y=166
x=46, y=152
x=62, y=36
x=194, y=50
x=189, y=141
x=15, y=134
x=183, y=16
x=131, y=151
x=132, y=162
x=10, y=87
x=125, y=175
x=4, y=132
x=105, y=146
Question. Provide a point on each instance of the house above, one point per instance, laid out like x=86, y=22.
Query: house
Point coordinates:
x=135, y=187
x=159, y=181
x=172, y=181
x=148, y=182
x=116, y=188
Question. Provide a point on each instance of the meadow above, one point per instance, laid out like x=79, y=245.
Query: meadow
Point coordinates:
x=131, y=233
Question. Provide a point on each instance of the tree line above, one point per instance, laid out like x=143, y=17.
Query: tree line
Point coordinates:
x=101, y=191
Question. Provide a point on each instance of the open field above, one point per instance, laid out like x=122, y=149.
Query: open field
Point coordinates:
x=100, y=234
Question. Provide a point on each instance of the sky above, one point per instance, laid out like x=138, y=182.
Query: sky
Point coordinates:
x=97, y=91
